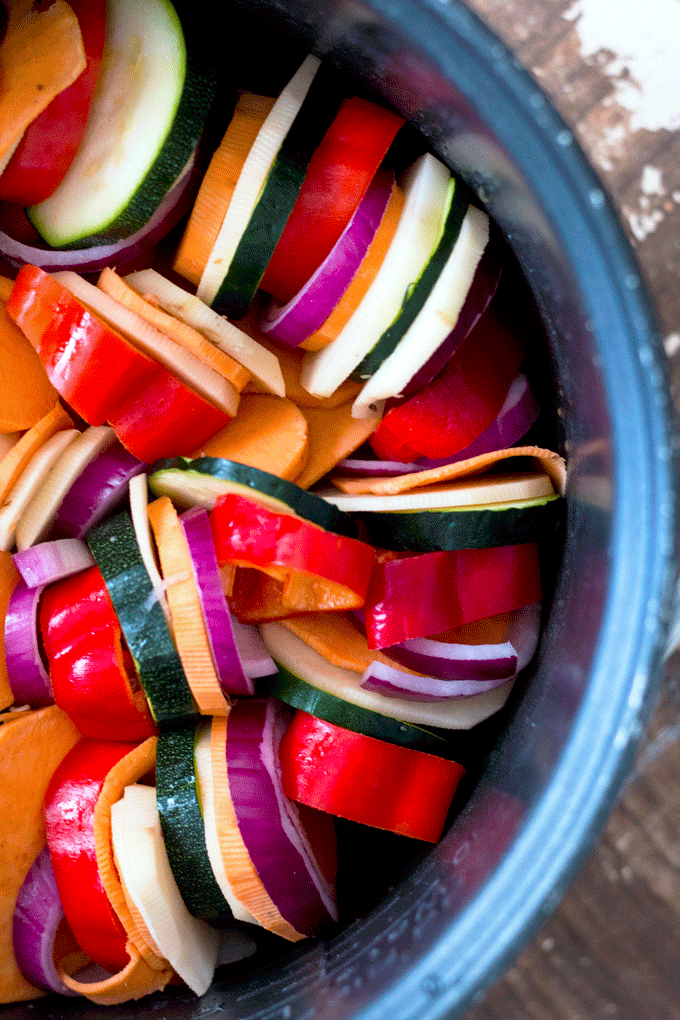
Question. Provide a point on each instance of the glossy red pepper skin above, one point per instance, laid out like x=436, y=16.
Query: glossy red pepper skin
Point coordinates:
x=50, y=142
x=93, y=676
x=92, y=367
x=165, y=419
x=70, y=803
x=367, y=780
x=459, y=405
x=250, y=535
x=340, y=171
x=453, y=588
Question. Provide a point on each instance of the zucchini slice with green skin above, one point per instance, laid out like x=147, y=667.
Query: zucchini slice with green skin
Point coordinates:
x=181, y=819
x=147, y=115
x=292, y=654
x=479, y=527
x=458, y=200
x=199, y=482
x=114, y=547
x=278, y=196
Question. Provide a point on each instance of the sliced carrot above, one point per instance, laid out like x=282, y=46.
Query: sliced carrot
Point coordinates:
x=333, y=434
x=40, y=56
x=218, y=186
x=184, y=335
x=269, y=433
x=290, y=360
x=363, y=278
x=335, y=636
x=30, y=750
x=9, y=575
x=127, y=771
x=550, y=462
x=137, y=979
x=239, y=868
x=7, y=441
x=184, y=600
x=26, y=394
x=18, y=458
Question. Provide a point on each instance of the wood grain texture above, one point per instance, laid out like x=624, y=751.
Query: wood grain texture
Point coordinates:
x=612, y=948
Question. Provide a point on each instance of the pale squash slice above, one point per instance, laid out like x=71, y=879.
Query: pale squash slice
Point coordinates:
x=32, y=746
x=17, y=459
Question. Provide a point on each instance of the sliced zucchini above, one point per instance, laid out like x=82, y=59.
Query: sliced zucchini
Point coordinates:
x=256, y=246
x=199, y=482
x=293, y=655
x=147, y=114
x=253, y=176
x=116, y=553
x=456, y=207
x=181, y=819
x=476, y=527
x=426, y=191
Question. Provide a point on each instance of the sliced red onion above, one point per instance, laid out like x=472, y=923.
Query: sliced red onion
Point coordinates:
x=91, y=260
x=51, y=561
x=513, y=421
x=308, y=310
x=270, y=823
x=99, y=488
x=28, y=678
x=483, y=287
x=37, y=916
x=456, y=670
x=238, y=651
x=38, y=913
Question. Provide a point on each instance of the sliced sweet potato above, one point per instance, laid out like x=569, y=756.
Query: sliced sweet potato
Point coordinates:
x=136, y=980
x=9, y=575
x=26, y=394
x=551, y=463
x=333, y=434
x=186, y=336
x=40, y=56
x=14, y=463
x=335, y=636
x=30, y=750
x=269, y=433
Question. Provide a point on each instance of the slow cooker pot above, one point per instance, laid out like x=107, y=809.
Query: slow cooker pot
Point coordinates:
x=443, y=931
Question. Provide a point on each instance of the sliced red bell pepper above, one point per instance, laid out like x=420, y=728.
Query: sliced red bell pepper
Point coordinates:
x=165, y=419
x=92, y=367
x=459, y=405
x=340, y=171
x=93, y=675
x=49, y=143
x=250, y=535
x=418, y=595
x=70, y=803
x=367, y=780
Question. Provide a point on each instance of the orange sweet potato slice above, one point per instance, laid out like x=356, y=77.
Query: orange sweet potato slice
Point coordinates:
x=186, y=336
x=9, y=575
x=551, y=463
x=40, y=56
x=335, y=636
x=13, y=463
x=269, y=433
x=26, y=394
x=137, y=979
x=30, y=750
x=333, y=435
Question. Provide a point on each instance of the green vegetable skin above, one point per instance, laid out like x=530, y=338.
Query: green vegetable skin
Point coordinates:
x=187, y=482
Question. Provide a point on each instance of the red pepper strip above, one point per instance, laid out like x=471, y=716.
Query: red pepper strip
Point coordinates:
x=69, y=825
x=452, y=588
x=338, y=175
x=93, y=675
x=456, y=408
x=49, y=143
x=92, y=367
x=250, y=535
x=367, y=780
x=166, y=419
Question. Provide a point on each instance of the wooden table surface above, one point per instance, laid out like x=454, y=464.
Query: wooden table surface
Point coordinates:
x=612, y=948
